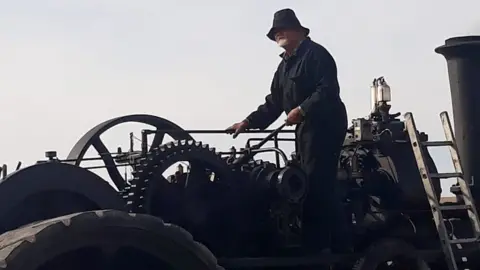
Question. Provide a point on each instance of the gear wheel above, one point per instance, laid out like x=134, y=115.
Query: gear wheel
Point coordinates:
x=395, y=253
x=114, y=240
x=195, y=205
x=158, y=160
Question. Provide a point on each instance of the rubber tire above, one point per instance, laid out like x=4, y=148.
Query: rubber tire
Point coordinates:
x=385, y=249
x=29, y=247
x=53, y=176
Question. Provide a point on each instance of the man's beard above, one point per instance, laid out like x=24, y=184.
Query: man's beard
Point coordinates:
x=282, y=42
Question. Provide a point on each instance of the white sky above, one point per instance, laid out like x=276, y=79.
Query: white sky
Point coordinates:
x=66, y=66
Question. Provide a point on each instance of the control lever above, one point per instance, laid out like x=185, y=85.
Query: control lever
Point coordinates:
x=269, y=137
x=247, y=152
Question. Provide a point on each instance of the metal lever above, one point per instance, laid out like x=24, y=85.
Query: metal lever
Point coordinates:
x=247, y=153
x=269, y=137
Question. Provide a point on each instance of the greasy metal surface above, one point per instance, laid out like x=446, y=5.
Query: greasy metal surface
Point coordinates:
x=92, y=138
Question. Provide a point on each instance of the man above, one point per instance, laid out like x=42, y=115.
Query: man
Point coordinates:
x=306, y=88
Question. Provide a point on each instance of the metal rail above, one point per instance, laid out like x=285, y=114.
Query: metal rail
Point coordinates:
x=273, y=136
x=279, y=155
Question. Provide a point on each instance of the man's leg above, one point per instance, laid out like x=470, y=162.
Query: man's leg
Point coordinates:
x=324, y=222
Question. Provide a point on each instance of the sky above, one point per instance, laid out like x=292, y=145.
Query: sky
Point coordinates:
x=66, y=66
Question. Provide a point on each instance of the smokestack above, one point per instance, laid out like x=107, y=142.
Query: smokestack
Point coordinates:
x=463, y=64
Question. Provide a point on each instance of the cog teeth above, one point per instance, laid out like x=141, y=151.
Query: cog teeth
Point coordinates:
x=149, y=166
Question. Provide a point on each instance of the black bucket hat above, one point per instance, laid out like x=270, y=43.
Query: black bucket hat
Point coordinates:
x=285, y=18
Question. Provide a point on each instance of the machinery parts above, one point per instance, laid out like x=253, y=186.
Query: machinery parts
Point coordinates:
x=265, y=199
x=380, y=96
x=92, y=138
x=275, y=197
x=391, y=254
x=378, y=170
x=287, y=183
x=381, y=184
x=103, y=240
x=239, y=206
x=4, y=171
x=150, y=169
x=48, y=190
x=196, y=199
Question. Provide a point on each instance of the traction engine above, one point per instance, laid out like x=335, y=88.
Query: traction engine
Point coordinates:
x=247, y=211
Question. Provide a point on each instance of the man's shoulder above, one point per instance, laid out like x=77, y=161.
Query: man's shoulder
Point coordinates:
x=318, y=49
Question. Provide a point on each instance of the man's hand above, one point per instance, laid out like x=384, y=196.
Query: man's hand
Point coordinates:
x=294, y=117
x=237, y=128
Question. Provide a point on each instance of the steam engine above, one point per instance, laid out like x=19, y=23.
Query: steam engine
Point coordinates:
x=261, y=201
x=235, y=204
x=377, y=167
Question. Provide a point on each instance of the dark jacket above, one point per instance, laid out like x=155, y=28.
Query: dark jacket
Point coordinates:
x=307, y=78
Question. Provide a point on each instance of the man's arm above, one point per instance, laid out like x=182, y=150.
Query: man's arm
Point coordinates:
x=268, y=112
x=323, y=70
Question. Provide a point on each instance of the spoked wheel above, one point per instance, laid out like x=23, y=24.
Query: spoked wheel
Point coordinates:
x=391, y=254
x=103, y=240
x=92, y=138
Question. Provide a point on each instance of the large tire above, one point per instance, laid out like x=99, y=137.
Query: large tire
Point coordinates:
x=48, y=190
x=397, y=251
x=49, y=244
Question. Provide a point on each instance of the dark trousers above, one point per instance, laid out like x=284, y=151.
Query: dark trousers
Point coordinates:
x=319, y=142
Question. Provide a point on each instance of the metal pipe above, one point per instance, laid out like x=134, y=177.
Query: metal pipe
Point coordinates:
x=463, y=65
x=144, y=142
x=132, y=138
x=269, y=137
x=4, y=171
x=275, y=144
x=271, y=149
x=105, y=166
x=250, y=140
x=220, y=131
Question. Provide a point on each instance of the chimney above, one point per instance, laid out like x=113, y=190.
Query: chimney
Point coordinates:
x=463, y=65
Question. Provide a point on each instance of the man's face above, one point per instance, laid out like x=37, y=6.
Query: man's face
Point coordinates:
x=284, y=37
